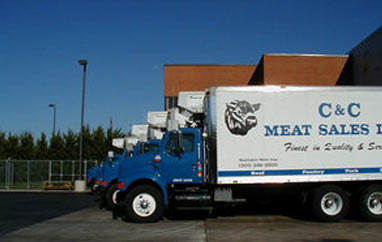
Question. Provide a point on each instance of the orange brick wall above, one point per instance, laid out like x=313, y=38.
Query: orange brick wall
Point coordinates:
x=199, y=77
x=303, y=69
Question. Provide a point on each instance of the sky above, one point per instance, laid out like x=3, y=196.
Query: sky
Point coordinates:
x=127, y=43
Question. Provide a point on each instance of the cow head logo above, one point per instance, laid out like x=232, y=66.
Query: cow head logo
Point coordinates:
x=240, y=116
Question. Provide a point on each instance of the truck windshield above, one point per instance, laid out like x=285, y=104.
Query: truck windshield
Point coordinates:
x=112, y=159
x=151, y=148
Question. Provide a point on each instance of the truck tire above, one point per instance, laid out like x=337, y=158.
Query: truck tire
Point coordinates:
x=144, y=204
x=111, y=196
x=370, y=203
x=102, y=201
x=330, y=203
x=92, y=187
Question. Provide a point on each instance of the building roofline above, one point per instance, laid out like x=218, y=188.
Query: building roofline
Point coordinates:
x=210, y=64
x=367, y=39
x=304, y=55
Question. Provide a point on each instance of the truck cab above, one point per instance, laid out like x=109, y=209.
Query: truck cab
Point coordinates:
x=92, y=175
x=108, y=185
x=148, y=182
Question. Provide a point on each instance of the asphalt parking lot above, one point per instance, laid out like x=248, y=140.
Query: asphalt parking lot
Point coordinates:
x=77, y=217
x=22, y=209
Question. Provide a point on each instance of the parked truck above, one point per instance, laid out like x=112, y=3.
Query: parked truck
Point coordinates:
x=322, y=144
x=144, y=139
x=108, y=182
x=92, y=174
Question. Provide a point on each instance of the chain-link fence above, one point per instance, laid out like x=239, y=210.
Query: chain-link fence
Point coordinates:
x=35, y=174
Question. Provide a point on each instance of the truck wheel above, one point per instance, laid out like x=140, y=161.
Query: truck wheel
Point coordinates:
x=144, y=204
x=330, y=203
x=103, y=201
x=111, y=196
x=370, y=203
x=92, y=186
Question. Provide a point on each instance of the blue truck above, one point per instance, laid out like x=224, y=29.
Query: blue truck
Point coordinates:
x=320, y=145
x=94, y=174
x=145, y=138
x=108, y=182
x=144, y=180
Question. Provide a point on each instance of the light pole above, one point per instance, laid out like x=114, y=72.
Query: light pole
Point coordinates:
x=84, y=64
x=54, y=117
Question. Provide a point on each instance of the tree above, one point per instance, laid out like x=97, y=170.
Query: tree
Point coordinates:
x=56, y=148
x=60, y=147
x=99, y=147
x=12, y=148
x=3, y=143
x=71, y=145
x=27, y=148
x=42, y=148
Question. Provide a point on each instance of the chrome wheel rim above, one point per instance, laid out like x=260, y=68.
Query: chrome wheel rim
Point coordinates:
x=332, y=203
x=114, y=196
x=144, y=205
x=374, y=203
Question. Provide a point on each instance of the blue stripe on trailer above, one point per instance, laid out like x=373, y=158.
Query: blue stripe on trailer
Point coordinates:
x=301, y=172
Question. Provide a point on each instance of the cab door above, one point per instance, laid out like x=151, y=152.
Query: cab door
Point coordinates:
x=185, y=165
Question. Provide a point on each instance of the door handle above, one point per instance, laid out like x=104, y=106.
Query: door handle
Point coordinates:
x=199, y=151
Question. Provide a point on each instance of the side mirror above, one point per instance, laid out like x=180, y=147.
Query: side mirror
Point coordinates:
x=180, y=142
x=110, y=155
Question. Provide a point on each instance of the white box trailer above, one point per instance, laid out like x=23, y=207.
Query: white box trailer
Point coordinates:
x=191, y=101
x=141, y=131
x=157, y=124
x=188, y=111
x=157, y=119
x=125, y=143
x=325, y=142
x=298, y=134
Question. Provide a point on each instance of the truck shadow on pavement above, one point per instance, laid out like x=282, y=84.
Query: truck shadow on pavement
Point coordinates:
x=244, y=209
x=22, y=209
x=278, y=209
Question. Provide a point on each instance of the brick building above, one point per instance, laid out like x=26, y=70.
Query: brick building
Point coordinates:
x=361, y=66
x=293, y=69
x=199, y=77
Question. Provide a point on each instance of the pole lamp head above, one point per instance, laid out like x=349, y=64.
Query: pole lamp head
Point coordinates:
x=83, y=62
x=52, y=105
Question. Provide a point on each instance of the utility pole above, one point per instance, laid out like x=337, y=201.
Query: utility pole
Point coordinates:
x=84, y=64
x=54, y=117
